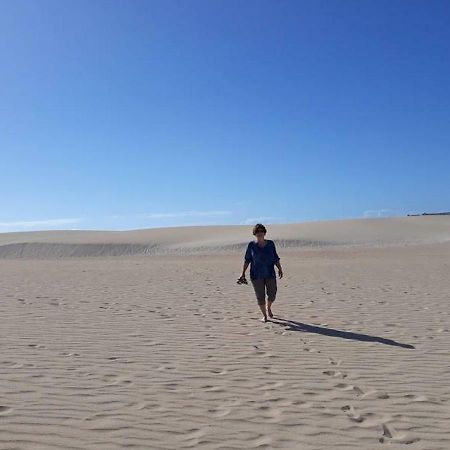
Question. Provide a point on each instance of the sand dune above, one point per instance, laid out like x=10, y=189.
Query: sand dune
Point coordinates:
x=222, y=239
x=132, y=352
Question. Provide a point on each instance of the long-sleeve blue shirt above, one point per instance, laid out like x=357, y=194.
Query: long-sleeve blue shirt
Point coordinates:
x=261, y=259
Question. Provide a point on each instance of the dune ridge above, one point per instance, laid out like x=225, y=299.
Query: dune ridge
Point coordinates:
x=210, y=240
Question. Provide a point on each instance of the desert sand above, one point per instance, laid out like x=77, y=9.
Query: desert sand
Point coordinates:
x=143, y=340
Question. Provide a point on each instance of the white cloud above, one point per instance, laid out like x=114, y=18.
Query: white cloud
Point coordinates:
x=174, y=215
x=255, y=220
x=22, y=225
x=187, y=214
x=373, y=213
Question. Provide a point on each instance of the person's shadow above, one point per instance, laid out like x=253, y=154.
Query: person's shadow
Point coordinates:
x=305, y=328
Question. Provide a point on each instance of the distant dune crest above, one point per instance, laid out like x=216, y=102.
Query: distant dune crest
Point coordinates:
x=446, y=213
x=224, y=239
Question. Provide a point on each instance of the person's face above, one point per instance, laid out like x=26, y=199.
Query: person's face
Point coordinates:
x=260, y=236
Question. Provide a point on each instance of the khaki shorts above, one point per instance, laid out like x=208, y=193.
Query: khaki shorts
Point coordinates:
x=261, y=286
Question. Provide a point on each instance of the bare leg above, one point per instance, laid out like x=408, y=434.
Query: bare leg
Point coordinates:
x=262, y=307
x=269, y=308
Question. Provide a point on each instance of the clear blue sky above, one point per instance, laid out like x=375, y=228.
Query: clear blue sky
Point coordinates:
x=128, y=114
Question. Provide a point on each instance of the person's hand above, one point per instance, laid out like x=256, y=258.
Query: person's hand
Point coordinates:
x=242, y=280
x=280, y=273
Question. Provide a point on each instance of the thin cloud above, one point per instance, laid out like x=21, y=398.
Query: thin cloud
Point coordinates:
x=187, y=214
x=262, y=219
x=175, y=215
x=22, y=225
x=374, y=213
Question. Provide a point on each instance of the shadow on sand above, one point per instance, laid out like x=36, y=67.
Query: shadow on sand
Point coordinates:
x=305, y=328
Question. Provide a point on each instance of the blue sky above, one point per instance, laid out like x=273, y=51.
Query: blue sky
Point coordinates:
x=130, y=114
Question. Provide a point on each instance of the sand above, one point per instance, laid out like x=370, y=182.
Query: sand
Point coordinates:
x=162, y=350
x=214, y=240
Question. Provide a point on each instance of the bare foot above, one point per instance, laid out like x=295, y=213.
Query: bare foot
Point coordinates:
x=269, y=311
x=264, y=319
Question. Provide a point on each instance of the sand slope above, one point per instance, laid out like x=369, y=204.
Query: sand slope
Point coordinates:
x=212, y=240
x=136, y=352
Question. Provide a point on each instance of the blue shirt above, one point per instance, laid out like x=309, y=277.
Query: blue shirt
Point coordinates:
x=261, y=259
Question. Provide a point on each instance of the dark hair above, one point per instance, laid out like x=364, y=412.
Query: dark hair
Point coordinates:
x=259, y=227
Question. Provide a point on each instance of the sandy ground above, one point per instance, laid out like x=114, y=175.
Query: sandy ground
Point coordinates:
x=148, y=352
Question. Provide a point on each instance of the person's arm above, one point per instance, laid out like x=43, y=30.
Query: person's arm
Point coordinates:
x=277, y=261
x=244, y=269
x=280, y=269
x=247, y=260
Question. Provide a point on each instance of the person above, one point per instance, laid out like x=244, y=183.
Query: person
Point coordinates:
x=262, y=256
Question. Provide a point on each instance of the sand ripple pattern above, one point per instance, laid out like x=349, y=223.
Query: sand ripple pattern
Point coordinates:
x=168, y=353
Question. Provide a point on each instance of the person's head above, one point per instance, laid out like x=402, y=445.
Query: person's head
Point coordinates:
x=259, y=231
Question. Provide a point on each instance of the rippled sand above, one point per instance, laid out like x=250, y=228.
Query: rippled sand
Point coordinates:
x=168, y=352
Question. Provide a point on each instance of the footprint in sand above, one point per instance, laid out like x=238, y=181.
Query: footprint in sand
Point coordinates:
x=389, y=435
x=358, y=391
x=376, y=394
x=348, y=387
x=352, y=414
x=335, y=373
x=334, y=362
x=116, y=380
x=311, y=350
x=421, y=398
x=4, y=410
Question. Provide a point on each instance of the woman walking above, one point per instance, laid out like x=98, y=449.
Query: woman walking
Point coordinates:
x=262, y=256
